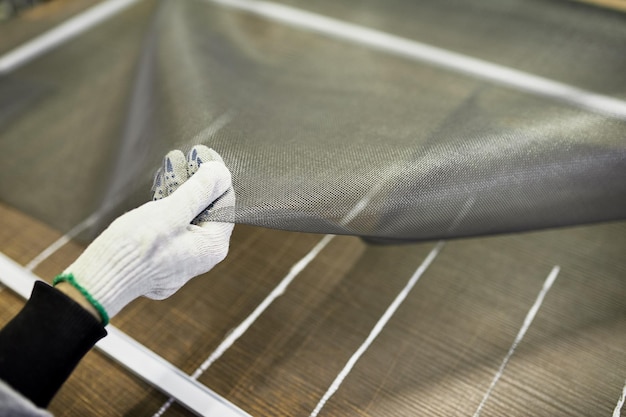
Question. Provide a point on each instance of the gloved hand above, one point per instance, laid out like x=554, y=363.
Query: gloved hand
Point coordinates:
x=156, y=248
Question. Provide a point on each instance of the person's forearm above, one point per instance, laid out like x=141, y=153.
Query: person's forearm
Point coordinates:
x=69, y=290
x=43, y=344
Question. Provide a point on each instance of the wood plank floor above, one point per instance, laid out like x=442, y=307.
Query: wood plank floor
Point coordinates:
x=436, y=356
x=32, y=21
x=459, y=345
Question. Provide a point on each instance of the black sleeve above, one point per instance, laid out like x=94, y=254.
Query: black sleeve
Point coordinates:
x=42, y=345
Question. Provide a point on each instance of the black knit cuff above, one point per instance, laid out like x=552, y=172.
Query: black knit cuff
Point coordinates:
x=42, y=345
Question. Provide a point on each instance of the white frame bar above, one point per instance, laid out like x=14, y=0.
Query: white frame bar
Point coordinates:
x=61, y=33
x=135, y=357
x=417, y=51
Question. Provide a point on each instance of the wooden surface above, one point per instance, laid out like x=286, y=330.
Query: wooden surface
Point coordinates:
x=32, y=21
x=436, y=356
x=609, y=4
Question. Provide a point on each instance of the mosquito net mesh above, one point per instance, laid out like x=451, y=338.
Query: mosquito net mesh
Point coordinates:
x=391, y=120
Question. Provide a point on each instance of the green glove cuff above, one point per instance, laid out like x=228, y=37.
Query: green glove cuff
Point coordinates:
x=69, y=278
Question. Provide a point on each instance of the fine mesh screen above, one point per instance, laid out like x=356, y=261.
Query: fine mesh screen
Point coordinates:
x=330, y=135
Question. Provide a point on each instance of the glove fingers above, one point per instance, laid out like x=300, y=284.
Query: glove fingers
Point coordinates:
x=210, y=181
x=174, y=171
x=198, y=155
x=158, y=186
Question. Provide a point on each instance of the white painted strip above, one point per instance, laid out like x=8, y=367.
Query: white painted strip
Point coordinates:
x=207, y=134
x=361, y=204
x=465, y=210
x=238, y=331
x=51, y=249
x=62, y=33
x=137, y=358
x=75, y=231
x=418, y=51
x=620, y=403
x=276, y=292
x=60, y=242
x=378, y=327
x=520, y=335
x=295, y=270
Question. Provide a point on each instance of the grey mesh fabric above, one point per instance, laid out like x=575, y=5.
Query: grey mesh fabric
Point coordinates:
x=324, y=134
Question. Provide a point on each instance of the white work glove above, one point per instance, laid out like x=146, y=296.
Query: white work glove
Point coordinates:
x=155, y=249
